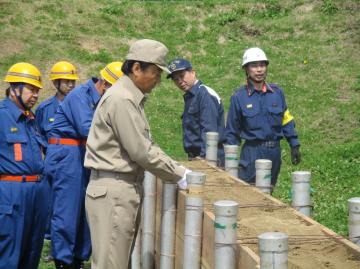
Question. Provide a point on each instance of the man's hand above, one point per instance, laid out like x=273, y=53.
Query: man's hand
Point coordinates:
x=295, y=155
x=182, y=183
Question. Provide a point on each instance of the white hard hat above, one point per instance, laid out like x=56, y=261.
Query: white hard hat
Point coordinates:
x=254, y=55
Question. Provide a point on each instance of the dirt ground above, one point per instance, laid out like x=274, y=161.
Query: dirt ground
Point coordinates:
x=309, y=246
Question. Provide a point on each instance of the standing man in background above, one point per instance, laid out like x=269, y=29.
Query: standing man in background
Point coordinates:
x=23, y=192
x=63, y=75
x=203, y=111
x=70, y=237
x=118, y=150
x=259, y=115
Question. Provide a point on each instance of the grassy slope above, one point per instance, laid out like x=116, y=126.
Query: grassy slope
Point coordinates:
x=313, y=48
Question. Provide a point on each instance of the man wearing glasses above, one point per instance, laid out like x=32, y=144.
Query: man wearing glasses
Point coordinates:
x=23, y=192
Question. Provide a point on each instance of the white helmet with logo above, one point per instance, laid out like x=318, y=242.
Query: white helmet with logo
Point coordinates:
x=254, y=55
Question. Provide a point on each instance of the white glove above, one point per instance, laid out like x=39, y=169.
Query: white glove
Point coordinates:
x=182, y=183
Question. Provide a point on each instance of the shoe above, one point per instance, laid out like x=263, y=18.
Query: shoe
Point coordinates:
x=48, y=258
x=62, y=265
x=78, y=264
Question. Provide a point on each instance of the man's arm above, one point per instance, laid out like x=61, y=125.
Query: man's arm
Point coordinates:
x=128, y=126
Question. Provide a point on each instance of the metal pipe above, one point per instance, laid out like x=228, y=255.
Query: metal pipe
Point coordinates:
x=273, y=250
x=135, y=255
x=168, y=224
x=263, y=175
x=193, y=220
x=148, y=221
x=354, y=220
x=212, y=139
x=195, y=183
x=231, y=160
x=301, y=200
x=225, y=234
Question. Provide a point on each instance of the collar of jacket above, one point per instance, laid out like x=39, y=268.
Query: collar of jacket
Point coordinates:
x=251, y=88
x=93, y=92
x=15, y=111
x=129, y=86
x=194, y=89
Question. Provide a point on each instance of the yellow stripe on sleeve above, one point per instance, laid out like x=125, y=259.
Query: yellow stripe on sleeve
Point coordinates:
x=287, y=117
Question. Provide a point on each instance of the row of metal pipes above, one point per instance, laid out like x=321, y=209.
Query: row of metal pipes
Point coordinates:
x=273, y=246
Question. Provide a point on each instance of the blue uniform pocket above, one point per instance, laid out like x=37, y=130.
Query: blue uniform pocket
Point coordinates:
x=252, y=119
x=193, y=109
x=275, y=116
x=16, y=140
x=6, y=222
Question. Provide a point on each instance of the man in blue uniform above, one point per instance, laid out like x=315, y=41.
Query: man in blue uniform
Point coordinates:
x=70, y=236
x=63, y=75
x=259, y=115
x=23, y=196
x=203, y=111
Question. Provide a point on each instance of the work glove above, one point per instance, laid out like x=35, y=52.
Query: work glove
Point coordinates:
x=295, y=155
x=182, y=183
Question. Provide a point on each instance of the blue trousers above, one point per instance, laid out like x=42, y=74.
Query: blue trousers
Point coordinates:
x=250, y=152
x=23, y=211
x=70, y=234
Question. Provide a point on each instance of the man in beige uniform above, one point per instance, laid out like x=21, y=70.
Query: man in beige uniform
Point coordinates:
x=119, y=149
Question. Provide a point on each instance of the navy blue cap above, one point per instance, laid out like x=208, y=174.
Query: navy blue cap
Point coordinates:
x=178, y=65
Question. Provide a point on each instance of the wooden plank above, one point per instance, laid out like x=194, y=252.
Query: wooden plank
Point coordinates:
x=208, y=233
x=180, y=223
x=247, y=258
x=158, y=221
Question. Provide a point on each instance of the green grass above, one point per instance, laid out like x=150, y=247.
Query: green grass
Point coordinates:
x=313, y=47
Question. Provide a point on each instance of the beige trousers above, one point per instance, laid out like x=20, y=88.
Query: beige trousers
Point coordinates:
x=112, y=207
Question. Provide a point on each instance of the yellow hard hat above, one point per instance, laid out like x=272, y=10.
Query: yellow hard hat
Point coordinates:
x=63, y=70
x=112, y=72
x=24, y=72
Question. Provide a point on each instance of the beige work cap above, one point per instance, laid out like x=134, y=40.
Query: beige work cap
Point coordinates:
x=149, y=51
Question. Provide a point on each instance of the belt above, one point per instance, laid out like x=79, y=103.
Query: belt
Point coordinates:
x=23, y=178
x=98, y=174
x=268, y=144
x=67, y=141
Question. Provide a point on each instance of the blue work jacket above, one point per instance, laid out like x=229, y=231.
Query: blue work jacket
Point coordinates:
x=257, y=115
x=44, y=115
x=74, y=115
x=203, y=112
x=20, y=142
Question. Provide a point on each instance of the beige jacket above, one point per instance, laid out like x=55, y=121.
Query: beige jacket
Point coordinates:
x=119, y=138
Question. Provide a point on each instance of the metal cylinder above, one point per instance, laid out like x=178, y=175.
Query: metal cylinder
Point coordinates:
x=212, y=139
x=135, y=255
x=273, y=250
x=231, y=160
x=195, y=183
x=192, y=232
x=225, y=234
x=168, y=224
x=301, y=200
x=263, y=175
x=148, y=222
x=354, y=220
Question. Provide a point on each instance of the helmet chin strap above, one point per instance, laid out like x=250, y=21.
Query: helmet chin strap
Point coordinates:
x=20, y=86
x=57, y=86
